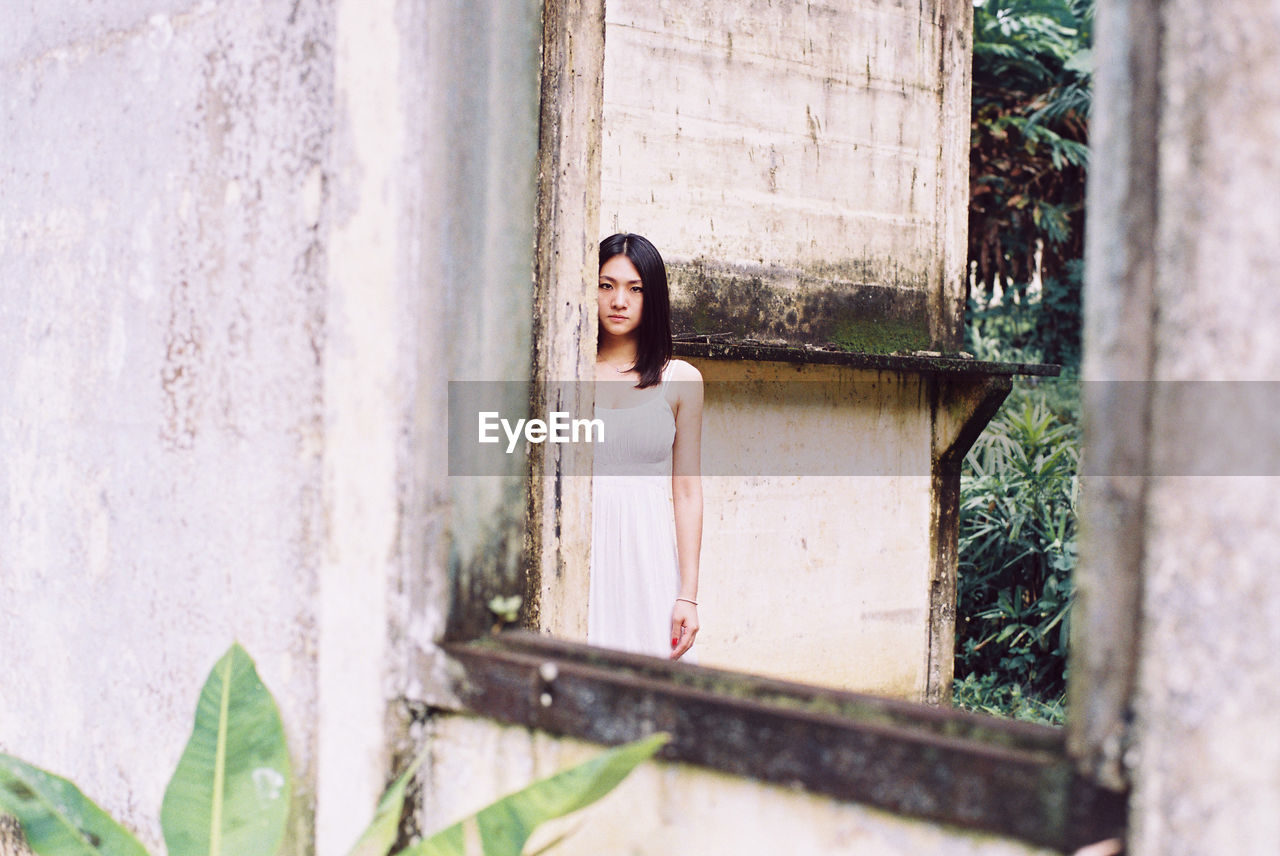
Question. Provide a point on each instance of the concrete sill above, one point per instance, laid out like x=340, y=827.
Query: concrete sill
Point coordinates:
x=715, y=348
x=938, y=764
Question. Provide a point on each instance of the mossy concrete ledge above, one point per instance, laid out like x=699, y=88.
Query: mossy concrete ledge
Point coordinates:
x=915, y=361
x=947, y=766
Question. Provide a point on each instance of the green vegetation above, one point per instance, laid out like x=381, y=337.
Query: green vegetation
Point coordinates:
x=231, y=791
x=1028, y=155
x=1017, y=552
x=986, y=695
x=1019, y=488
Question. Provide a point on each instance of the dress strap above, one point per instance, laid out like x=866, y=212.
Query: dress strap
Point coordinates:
x=666, y=375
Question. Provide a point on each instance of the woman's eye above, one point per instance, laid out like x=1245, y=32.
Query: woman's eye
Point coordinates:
x=605, y=285
x=635, y=289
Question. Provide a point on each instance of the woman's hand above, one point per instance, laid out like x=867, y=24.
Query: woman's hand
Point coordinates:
x=684, y=626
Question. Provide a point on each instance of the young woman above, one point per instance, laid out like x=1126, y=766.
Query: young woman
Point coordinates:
x=647, y=507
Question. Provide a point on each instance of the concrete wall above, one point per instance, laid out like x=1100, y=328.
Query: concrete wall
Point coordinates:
x=803, y=167
x=241, y=258
x=224, y=336
x=162, y=422
x=663, y=808
x=1183, y=287
x=816, y=553
x=1208, y=751
x=240, y=263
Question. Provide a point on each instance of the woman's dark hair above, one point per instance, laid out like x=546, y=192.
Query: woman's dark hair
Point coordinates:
x=653, y=345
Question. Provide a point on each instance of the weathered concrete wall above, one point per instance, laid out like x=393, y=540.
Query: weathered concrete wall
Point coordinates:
x=804, y=170
x=241, y=262
x=161, y=428
x=812, y=574
x=558, y=546
x=242, y=255
x=664, y=808
x=1209, y=688
x=795, y=160
x=1193, y=209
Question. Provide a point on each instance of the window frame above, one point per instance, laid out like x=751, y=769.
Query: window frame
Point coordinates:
x=917, y=760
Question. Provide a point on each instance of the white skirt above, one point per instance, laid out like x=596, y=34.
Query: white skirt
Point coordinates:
x=635, y=576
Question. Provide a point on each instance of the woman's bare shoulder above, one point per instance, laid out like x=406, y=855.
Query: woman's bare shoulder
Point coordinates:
x=682, y=371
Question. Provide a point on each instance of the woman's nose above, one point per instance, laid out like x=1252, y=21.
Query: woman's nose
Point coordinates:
x=619, y=298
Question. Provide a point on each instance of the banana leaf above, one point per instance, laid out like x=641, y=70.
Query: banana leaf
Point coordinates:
x=230, y=793
x=56, y=818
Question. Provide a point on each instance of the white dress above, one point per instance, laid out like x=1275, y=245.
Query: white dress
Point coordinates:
x=635, y=577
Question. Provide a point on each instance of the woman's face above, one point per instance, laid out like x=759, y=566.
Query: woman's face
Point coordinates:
x=621, y=296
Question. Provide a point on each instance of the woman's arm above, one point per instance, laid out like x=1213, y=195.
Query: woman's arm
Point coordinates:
x=686, y=496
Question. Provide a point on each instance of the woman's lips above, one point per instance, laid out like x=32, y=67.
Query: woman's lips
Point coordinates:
x=618, y=317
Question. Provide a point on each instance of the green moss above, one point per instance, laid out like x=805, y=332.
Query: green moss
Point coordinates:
x=872, y=336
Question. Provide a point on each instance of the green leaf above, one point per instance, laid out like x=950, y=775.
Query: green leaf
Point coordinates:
x=1080, y=62
x=503, y=827
x=230, y=794
x=56, y=818
x=506, y=608
x=381, y=832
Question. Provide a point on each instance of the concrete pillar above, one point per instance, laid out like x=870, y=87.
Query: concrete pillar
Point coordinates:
x=559, y=527
x=244, y=247
x=1180, y=523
